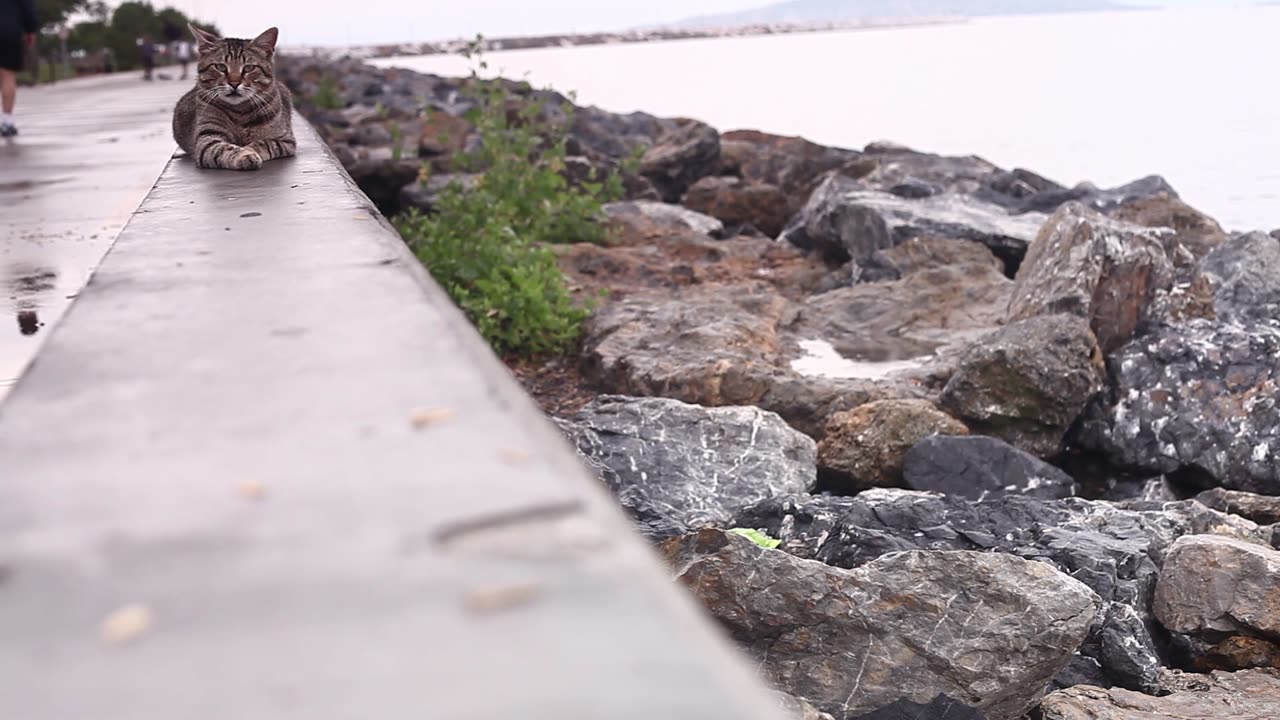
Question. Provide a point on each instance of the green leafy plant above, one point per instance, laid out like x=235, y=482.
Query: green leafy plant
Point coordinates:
x=488, y=244
x=397, y=140
x=757, y=537
x=326, y=95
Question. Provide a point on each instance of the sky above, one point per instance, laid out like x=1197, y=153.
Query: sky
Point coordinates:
x=313, y=22
x=382, y=21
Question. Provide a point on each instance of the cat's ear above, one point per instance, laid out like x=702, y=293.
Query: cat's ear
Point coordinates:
x=266, y=42
x=204, y=40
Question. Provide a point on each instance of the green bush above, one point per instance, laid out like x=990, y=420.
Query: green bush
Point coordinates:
x=327, y=96
x=488, y=245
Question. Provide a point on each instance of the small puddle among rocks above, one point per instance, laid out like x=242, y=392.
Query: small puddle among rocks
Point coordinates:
x=821, y=359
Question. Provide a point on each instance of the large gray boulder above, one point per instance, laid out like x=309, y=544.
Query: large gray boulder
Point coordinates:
x=681, y=157
x=709, y=346
x=1028, y=382
x=1117, y=551
x=844, y=222
x=986, y=629
x=1249, y=695
x=1086, y=264
x=1245, y=274
x=1101, y=199
x=1262, y=509
x=980, y=467
x=662, y=216
x=1213, y=585
x=677, y=467
x=1188, y=234
x=926, y=254
x=1196, y=401
x=909, y=318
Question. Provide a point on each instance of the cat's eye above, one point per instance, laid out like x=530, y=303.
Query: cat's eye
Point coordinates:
x=219, y=67
x=251, y=68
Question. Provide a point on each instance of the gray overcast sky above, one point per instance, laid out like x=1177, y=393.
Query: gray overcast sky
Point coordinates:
x=373, y=21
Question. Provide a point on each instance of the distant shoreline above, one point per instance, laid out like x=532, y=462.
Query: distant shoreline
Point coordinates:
x=493, y=45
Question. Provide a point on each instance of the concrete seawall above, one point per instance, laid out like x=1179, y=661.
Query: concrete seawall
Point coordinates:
x=266, y=430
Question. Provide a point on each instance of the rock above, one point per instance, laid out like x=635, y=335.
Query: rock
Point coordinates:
x=443, y=134
x=1196, y=402
x=1152, y=186
x=1027, y=382
x=714, y=346
x=1088, y=265
x=725, y=345
x=1194, y=233
x=904, y=321
x=371, y=134
x=896, y=166
x=833, y=228
x=844, y=223
x=989, y=630
x=1249, y=695
x=1245, y=274
x=799, y=709
x=914, y=189
x=677, y=467
x=1262, y=509
x=926, y=253
x=1010, y=188
x=1238, y=653
x=941, y=708
x=425, y=196
x=737, y=203
x=864, y=447
x=980, y=467
x=599, y=134
x=645, y=258
x=382, y=178
x=1117, y=551
x=683, y=156
x=792, y=164
x=666, y=217
x=1212, y=585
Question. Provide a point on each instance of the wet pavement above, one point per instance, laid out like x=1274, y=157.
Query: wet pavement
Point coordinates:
x=266, y=470
x=87, y=153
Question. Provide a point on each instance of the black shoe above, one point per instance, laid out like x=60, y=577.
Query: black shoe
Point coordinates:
x=8, y=130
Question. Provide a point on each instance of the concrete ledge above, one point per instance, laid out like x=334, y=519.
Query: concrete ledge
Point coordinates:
x=220, y=431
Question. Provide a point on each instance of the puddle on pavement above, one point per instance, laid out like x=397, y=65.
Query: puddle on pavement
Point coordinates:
x=822, y=360
x=20, y=185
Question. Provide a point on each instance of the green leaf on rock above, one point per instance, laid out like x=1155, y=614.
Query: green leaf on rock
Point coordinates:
x=757, y=537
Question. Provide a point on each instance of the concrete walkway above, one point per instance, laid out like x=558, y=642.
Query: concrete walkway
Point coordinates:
x=265, y=470
x=88, y=152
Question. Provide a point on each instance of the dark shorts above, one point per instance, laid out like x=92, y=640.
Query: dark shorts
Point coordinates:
x=13, y=52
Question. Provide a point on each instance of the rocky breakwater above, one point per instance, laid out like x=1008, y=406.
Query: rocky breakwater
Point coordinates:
x=848, y=392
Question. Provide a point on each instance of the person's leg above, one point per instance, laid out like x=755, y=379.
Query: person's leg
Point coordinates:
x=8, y=90
x=8, y=96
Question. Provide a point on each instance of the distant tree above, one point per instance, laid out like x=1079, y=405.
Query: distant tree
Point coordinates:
x=120, y=29
x=99, y=11
x=55, y=12
x=173, y=24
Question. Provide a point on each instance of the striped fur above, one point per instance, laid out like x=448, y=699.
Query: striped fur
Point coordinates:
x=237, y=116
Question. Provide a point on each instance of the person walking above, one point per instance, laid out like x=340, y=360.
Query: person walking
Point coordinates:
x=184, y=56
x=18, y=28
x=148, y=56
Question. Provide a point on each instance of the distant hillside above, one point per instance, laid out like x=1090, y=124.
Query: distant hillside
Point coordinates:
x=811, y=11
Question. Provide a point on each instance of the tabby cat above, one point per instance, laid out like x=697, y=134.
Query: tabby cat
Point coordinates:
x=237, y=116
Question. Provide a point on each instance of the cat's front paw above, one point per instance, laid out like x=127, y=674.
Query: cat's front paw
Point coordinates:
x=246, y=159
